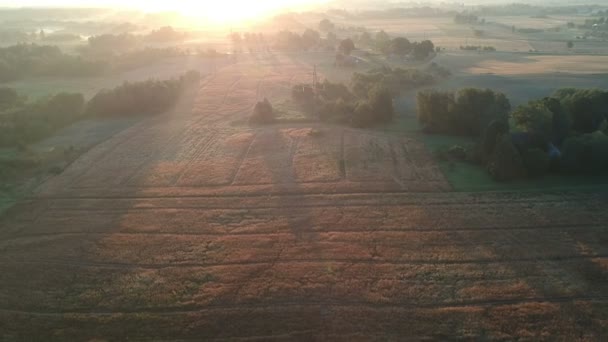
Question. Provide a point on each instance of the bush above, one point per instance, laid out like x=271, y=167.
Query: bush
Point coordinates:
x=263, y=113
x=505, y=163
x=457, y=152
x=537, y=162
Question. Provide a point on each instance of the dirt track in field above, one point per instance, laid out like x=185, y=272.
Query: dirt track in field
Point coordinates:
x=196, y=226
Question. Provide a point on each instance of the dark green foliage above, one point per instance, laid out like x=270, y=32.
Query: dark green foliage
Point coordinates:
x=9, y=98
x=381, y=103
x=457, y=152
x=586, y=153
x=310, y=39
x=492, y=133
x=263, y=113
x=536, y=161
x=396, y=80
x=113, y=43
x=326, y=25
x=165, y=34
x=468, y=112
x=338, y=111
x=30, y=122
x=363, y=115
x=401, y=46
x=334, y=91
x=23, y=60
x=544, y=118
x=588, y=108
x=423, y=49
x=505, y=163
x=140, y=98
x=464, y=18
x=346, y=46
x=433, y=110
x=302, y=94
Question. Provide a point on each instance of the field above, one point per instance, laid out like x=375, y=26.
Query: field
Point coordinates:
x=195, y=225
x=182, y=223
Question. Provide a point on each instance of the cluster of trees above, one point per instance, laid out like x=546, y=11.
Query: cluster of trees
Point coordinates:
x=112, y=43
x=140, y=98
x=478, y=48
x=23, y=122
x=397, y=80
x=23, y=60
x=334, y=102
x=465, y=18
x=567, y=132
x=466, y=112
x=290, y=41
x=400, y=46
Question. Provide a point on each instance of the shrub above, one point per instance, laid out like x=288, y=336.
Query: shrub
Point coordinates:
x=457, y=152
x=536, y=161
x=263, y=113
x=506, y=163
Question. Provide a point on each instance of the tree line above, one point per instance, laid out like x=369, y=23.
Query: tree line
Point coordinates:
x=566, y=132
x=23, y=122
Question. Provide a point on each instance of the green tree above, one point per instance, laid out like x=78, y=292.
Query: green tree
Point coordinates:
x=346, y=46
x=326, y=25
x=506, y=163
x=401, y=46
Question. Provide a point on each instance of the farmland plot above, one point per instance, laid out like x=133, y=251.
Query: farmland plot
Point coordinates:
x=189, y=227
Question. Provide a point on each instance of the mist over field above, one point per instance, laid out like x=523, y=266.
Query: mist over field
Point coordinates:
x=303, y=170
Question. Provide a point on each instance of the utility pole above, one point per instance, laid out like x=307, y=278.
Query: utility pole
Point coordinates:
x=315, y=85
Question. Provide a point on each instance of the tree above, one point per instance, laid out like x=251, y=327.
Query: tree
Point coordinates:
x=381, y=103
x=586, y=107
x=570, y=44
x=310, y=38
x=326, y=25
x=346, y=46
x=536, y=161
x=476, y=108
x=365, y=39
x=263, y=113
x=9, y=98
x=433, y=110
x=383, y=42
x=544, y=118
x=506, y=163
x=401, y=46
x=423, y=49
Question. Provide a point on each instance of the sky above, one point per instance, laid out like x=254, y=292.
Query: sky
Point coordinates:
x=216, y=10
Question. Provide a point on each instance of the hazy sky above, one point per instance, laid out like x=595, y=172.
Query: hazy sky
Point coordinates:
x=216, y=10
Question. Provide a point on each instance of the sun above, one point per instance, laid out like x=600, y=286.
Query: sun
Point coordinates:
x=227, y=12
